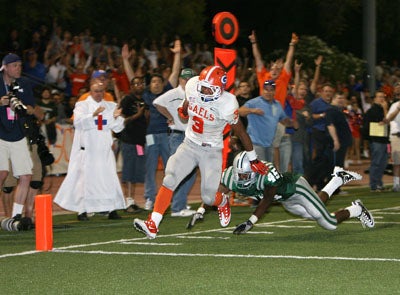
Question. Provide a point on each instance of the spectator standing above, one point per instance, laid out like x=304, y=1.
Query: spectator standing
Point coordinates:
x=339, y=131
x=133, y=139
x=377, y=142
x=243, y=94
x=49, y=108
x=92, y=183
x=319, y=170
x=13, y=143
x=264, y=113
x=157, y=129
x=393, y=116
x=167, y=104
x=354, y=115
x=34, y=69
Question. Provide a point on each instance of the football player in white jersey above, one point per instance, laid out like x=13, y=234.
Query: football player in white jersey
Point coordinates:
x=208, y=108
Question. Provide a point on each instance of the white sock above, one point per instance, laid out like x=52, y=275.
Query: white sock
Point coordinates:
x=156, y=217
x=354, y=210
x=201, y=210
x=129, y=201
x=17, y=209
x=332, y=185
x=396, y=180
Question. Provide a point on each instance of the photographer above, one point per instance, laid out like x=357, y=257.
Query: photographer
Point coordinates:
x=16, y=100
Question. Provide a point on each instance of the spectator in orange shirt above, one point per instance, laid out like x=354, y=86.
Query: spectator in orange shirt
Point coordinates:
x=280, y=72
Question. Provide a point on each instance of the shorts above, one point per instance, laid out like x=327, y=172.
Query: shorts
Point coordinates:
x=133, y=164
x=395, y=146
x=19, y=155
x=37, y=173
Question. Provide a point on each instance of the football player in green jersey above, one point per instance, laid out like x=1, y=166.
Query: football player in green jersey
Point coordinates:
x=292, y=191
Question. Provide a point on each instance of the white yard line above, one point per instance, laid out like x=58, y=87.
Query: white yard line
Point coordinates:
x=189, y=235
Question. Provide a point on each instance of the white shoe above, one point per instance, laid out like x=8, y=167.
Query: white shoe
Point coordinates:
x=183, y=213
x=346, y=175
x=224, y=212
x=366, y=218
x=148, y=206
x=148, y=227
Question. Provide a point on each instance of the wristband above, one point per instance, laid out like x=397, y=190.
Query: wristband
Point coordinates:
x=253, y=219
x=291, y=44
x=253, y=42
x=251, y=155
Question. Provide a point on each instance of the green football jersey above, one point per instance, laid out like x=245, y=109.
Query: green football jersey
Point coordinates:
x=285, y=183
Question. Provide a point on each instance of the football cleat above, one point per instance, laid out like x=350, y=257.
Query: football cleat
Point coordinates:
x=196, y=217
x=10, y=224
x=224, y=212
x=366, y=218
x=147, y=227
x=346, y=175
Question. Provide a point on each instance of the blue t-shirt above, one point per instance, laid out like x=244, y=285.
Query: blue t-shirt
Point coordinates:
x=157, y=122
x=11, y=126
x=261, y=129
x=319, y=106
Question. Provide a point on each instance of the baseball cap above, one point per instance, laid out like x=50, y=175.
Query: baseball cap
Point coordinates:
x=9, y=58
x=269, y=83
x=99, y=73
x=187, y=73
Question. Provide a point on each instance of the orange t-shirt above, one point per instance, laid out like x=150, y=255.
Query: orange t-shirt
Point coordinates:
x=107, y=96
x=281, y=83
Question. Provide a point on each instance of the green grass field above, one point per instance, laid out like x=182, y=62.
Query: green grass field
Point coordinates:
x=283, y=254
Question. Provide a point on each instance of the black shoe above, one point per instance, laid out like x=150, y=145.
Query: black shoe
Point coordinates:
x=113, y=215
x=17, y=217
x=26, y=224
x=133, y=209
x=83, y=217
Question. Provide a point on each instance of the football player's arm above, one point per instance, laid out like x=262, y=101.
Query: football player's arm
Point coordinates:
x=265, y=203
x=256, y=165
x=183, y=111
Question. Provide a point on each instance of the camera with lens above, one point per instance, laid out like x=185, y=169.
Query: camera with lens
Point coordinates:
x=15, y=103
x=34, y=135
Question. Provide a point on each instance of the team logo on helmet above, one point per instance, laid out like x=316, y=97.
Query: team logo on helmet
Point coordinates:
x=212, y=82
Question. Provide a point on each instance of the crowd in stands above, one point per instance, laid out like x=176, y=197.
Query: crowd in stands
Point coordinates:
x=60, y=64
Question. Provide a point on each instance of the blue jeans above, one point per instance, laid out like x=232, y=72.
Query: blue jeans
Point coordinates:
x=179, y=200
x=152, y=153
x=379, y=158
x=264, y=153
x=297, y=157
x=285, y=153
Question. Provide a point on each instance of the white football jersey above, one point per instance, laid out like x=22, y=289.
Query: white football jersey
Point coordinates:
x=207, y=120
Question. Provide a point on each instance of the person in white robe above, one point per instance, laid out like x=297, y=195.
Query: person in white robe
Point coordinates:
x=92, y=183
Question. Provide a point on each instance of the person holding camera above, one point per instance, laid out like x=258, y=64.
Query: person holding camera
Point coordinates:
x=16, y=101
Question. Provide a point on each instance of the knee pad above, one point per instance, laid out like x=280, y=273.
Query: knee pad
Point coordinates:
x=7, y=189
x=36, y=184
x=170, y=181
